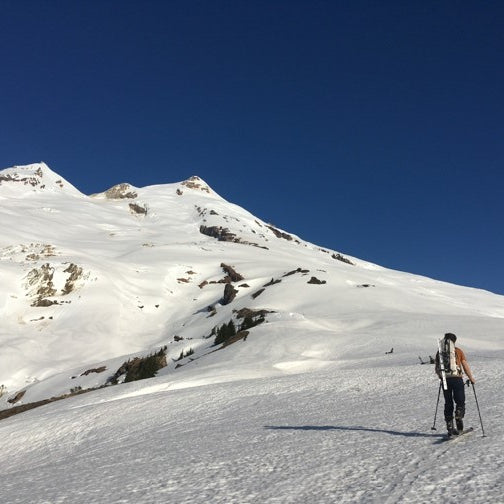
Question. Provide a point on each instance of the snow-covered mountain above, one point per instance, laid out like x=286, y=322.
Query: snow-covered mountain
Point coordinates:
x=315, y=389
x=87, y=279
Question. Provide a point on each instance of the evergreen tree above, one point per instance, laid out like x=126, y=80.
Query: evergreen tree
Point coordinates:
x=225, y=332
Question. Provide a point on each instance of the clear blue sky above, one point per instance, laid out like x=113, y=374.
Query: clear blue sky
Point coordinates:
x=375, y=128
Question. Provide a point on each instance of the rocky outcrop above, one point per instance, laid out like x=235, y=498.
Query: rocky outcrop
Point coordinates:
x=342, y=258
x=17, y=397
x=249, y=313
x=121, y=191
x=40, y=283
x=33, y=181
x=298, y=270
x=257, y=293
x=101, y=369
x=229, y=294
x=135, y=208
x=75, y=273
x=196, y=183
x=316, y=281
x=273, y=281
x=232, y=275
x=280, y=234
x=222, y=234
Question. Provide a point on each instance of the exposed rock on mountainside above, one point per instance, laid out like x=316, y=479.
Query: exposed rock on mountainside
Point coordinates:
x=229, y=294
x=316, y=281
x=32, y=181
x=121, y=191
x=222, y=234
x=342, y=258
x=41, y=284
x=74, y=274
x=280, y=234
x=251, y=316
x=94, y=370
x=28, y=253
x=232, y=275
x=17, y=397
x=135, y=208
x=298, y=270
x=196, y=183
x=36, y=177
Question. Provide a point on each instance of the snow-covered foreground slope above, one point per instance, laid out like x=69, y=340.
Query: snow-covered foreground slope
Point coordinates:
x=345, y=433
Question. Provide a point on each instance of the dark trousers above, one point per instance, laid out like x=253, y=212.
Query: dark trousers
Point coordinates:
x=455, y=393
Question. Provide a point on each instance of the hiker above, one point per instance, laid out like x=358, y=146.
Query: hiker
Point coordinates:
x=455, y=364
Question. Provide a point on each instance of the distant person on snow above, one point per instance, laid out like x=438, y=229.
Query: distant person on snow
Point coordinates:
x=455, y=363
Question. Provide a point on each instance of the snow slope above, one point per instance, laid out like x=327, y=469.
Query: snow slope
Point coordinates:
x=309, y=407
x=338, y=434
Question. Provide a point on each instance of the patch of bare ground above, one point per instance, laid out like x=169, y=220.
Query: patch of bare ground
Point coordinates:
x=15, y=410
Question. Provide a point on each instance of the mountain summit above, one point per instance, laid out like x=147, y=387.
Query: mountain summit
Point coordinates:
x=92, y=282
x=33, y=178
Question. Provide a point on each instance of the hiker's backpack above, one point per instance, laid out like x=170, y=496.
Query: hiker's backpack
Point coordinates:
x=448, y=357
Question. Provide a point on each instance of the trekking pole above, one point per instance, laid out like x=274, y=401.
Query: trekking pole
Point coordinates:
x=479, y=413
x=437, y=404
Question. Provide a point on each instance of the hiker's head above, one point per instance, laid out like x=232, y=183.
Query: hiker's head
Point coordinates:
x=450, y=336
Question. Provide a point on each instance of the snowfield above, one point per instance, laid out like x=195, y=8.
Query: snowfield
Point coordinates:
x=313, y=405
x=331, y=435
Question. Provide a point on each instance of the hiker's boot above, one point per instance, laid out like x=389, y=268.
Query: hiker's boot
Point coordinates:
x=459, y=415
x=460, y=424
x=452, y=431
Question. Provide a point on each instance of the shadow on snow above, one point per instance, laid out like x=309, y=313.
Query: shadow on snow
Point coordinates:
x=356, y=428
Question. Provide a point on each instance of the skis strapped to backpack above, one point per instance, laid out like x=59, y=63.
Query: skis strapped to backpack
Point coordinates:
x=448, y=354
x=442, y=363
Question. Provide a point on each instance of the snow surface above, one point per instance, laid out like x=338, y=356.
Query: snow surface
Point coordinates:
x=309, y=408
x=353, y=434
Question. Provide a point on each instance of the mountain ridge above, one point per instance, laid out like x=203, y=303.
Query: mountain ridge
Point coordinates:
x=93, y=281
